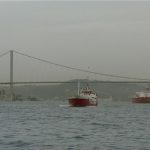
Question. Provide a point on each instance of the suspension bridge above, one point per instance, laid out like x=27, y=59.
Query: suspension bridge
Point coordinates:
x=11, y=82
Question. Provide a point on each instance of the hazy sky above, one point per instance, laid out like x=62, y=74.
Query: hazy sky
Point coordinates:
x=107, y=37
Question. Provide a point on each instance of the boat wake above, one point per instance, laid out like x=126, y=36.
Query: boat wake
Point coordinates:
x=91, y=106
x=64, y=106
x=76, y=106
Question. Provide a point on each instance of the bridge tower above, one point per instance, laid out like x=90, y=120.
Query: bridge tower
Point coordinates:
x=11, y=76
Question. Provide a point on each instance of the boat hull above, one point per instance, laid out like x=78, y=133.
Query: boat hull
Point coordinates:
x=141, y=100
x=81, y=102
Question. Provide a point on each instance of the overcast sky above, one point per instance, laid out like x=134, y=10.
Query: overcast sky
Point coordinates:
x=106, y=37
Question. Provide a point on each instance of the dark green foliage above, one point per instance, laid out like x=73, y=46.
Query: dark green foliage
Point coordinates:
x=118, y=91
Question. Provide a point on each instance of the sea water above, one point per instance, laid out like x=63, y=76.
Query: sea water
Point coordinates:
x=52, y=125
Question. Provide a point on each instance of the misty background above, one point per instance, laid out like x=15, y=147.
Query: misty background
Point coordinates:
x=108, y=37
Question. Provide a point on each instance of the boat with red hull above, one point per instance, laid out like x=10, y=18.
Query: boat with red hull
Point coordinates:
x=85, y=97
x=141, y=97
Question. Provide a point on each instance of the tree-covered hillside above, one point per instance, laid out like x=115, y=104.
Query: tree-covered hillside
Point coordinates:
x=118, y=91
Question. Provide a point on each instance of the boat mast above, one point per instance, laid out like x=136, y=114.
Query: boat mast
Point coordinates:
x=78, y=88
x=11, y=75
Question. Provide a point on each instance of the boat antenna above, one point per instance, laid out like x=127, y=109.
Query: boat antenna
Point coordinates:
x=88, y=78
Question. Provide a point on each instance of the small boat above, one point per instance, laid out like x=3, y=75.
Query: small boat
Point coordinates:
x=84, y=97
x=5, y=96
x=32, y=98
x=141, y=97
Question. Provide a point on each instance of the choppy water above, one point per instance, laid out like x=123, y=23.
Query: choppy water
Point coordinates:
x=47, y=126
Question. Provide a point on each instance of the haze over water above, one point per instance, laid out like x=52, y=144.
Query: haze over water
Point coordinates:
x=108, y=37
x=44, y=125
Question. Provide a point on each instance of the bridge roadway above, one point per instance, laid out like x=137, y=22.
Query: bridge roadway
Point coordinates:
x=56, y=82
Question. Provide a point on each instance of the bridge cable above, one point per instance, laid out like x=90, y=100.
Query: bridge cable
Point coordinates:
x=81, y=70
x=4, y=54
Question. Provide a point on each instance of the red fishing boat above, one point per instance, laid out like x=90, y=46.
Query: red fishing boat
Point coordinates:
x=141, y=97
x=85, y=97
